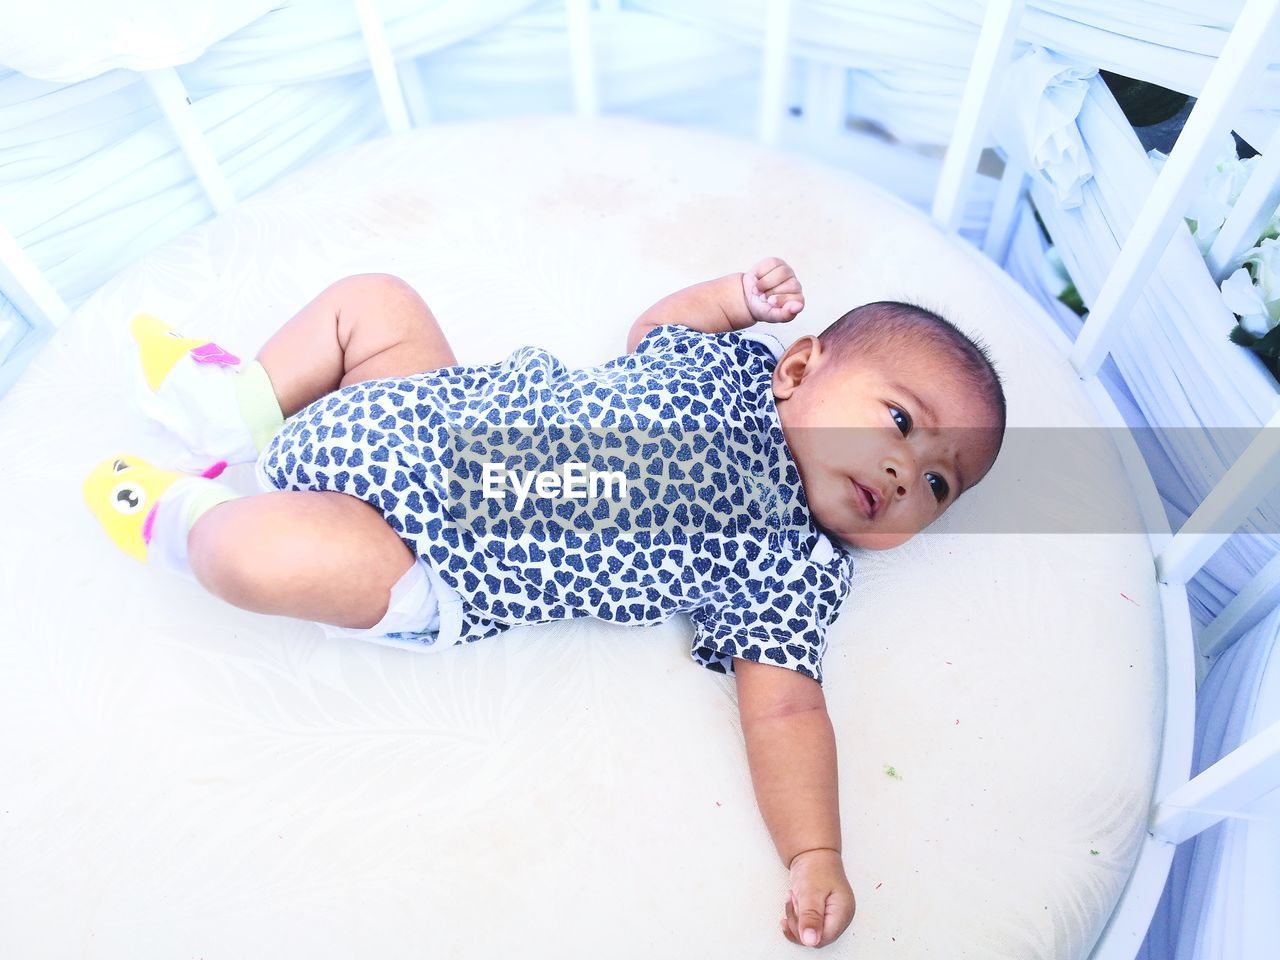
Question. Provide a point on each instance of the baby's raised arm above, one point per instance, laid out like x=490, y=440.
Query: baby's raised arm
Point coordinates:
x=767, y=293
x=791, y=749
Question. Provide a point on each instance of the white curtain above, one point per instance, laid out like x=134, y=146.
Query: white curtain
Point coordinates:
x=92, y=177
x=1219, y=901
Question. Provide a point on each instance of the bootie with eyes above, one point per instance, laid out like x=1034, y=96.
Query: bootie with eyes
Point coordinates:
x=148, y=512
x=219, y=407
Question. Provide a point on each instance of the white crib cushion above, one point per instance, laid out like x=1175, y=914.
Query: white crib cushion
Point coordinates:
x=181, y=777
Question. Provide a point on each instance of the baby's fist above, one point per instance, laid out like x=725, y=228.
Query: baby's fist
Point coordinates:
x=820, y=905
x=772, y=291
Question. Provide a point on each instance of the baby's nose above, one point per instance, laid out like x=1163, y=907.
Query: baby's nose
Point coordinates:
x=896, y=488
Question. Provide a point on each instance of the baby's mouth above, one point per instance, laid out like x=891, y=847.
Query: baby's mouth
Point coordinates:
x=869, y=501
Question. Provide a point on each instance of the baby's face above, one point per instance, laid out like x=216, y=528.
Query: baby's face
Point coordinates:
x=884, y=448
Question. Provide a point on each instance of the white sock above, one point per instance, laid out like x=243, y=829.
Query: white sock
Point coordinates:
x=177, y=511
x=218, y=412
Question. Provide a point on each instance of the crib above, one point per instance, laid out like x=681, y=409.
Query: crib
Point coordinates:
x=194, y=778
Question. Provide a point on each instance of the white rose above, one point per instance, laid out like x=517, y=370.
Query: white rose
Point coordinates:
x=1208, y=209
x=1257, y=301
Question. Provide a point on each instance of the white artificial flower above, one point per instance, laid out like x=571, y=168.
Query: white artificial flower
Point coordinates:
x=1257, y=300
x=1208, y=209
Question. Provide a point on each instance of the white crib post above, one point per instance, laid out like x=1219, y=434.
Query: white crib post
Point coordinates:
x=773, y=72
x=990, y=58
x=824, y=98
x=1231, y=784
x=582, y=59
x=1003, y=212
x=415, y=92
x=384, y=65
x=1244, y=56
x=27, y=288
x=1245, y=611
x=169, y=92
x=1257, y=201
x=1248, y=480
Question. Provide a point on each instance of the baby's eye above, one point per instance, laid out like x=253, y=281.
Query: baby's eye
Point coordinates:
x=901, y=418
x=939, y=485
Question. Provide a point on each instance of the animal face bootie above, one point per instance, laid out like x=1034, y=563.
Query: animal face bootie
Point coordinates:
x=148, y=512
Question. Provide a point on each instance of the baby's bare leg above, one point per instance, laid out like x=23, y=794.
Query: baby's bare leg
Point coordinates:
x=314, y=555
x=362, y=327
x=321, y=555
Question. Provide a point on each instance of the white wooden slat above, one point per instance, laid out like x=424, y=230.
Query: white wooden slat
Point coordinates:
x=1257, y=201
x=582, y=59
x=169, y=92
x=1004, y=212
x=27, y=288
x=1241, y=488
x=824, y=97
x=773, y=71
x=414, y=86
x=1230, y=785
x=981, y=93
x=383, y=63
x=1244, y=56
x=1246, y=610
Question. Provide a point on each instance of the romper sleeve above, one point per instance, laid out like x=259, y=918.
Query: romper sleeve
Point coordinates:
x=675, y=339
x=746, y=629
x=786, y=626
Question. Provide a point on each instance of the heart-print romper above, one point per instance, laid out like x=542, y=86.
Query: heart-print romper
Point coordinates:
x=695, y=505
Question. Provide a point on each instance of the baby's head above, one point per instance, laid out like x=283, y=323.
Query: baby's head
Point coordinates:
x=891, y=413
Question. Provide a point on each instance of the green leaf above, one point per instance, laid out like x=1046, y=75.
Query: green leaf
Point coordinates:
x=1242, y=337
x=1071, y=297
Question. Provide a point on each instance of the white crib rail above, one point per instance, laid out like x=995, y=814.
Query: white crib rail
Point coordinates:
x=1244, y=56
x=384, y=66
x=1261, y=195
x=1228, y=786
x=977, y=105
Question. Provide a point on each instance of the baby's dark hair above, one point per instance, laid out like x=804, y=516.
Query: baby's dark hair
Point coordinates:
x=890, y=327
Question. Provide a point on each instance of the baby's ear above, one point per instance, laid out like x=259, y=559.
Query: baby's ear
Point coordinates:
x=795, y=363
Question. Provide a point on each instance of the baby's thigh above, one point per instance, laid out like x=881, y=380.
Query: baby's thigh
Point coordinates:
x=314, y=555
x=389, y=330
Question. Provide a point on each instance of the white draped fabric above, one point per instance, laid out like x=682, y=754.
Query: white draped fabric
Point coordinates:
x=909, y=60
x=92, y=177
x=1220, y=899
x=67, y=41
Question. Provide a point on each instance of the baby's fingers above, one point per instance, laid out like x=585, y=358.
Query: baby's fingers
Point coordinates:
x=779, y=309
x=771, y=272
x=810, y=911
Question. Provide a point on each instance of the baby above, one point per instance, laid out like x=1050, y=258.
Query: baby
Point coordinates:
x=729, y=478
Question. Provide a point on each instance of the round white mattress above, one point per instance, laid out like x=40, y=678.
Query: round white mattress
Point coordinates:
x=183, y=778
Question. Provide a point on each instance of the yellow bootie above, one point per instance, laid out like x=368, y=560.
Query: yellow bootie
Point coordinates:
x=124, y=493
x=160, y=347
x=219, y=408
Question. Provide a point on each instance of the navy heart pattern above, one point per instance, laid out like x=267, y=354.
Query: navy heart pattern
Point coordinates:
x=714, y=522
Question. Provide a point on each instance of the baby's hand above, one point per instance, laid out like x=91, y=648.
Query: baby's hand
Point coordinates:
x=772, y=292
x=821, y=900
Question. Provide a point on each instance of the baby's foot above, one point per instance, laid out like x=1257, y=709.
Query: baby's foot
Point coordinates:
x=218, y=407
x=148, y=512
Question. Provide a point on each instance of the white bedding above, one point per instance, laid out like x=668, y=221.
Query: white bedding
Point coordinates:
x=183, y=778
